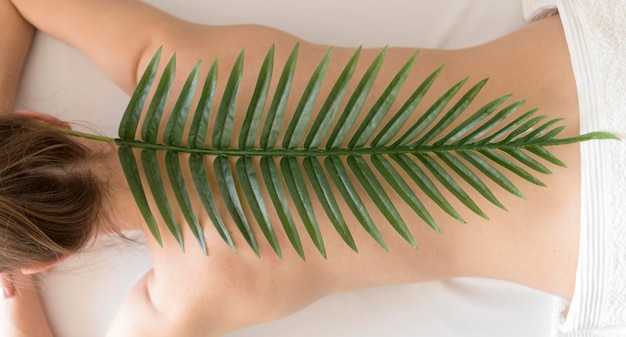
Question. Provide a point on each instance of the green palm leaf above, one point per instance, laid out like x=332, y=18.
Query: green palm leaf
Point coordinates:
x=203, y=190
x=200, y=123
x=342, y=181
x=225, y=119
x=154, y=177
x=323, y=190
x=449, y=183
x=397, y=183
x=279, y=199
x=381, y=107
x=296, y=185
x=152, y=122
x=131, y=171
x=174, y=173
x=328, y=111
x=433, y=159
x=397, y=121
x=252, y=192
x=355, y=103
x=428, y=117
x=230, y=196
x=376, y=192
x=257, y=104
x=302, y=114
x=276, y=112
x=422, y=180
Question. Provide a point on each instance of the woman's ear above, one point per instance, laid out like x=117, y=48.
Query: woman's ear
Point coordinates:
x=42, y=267
x=42, y=117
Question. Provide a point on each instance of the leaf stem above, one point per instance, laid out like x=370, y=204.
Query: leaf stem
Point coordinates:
x=381, y=150
x=90, y=136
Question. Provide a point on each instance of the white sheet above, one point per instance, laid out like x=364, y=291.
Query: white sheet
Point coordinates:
x=81, y=295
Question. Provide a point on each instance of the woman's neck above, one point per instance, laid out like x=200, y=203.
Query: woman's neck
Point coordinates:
x=120, y=208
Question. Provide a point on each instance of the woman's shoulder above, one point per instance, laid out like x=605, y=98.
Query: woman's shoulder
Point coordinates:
x=137, y=316
x=155, y=308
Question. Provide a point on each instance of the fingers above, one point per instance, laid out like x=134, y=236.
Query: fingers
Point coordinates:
x=6, y=283
x=10, y=281
x=42, y=117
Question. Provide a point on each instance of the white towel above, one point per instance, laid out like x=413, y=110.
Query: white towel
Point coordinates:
x=596, y=35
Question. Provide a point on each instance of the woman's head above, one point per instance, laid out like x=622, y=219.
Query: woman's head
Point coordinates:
x=50, y=202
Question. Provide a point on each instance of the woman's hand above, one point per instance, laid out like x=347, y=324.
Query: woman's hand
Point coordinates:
x=21, y=313
x=6, y=282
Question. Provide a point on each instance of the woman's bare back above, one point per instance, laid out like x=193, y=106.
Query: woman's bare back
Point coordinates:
x=535, y=243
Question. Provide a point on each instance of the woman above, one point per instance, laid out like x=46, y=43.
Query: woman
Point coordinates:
x=247, y=292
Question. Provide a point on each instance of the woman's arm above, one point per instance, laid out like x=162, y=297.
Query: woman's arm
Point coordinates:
x=120, y=36
x=21, y=313
x=15, y=38
x=111, y=33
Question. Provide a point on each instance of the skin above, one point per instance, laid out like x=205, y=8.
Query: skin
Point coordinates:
x=15, y=38
x=228, y=291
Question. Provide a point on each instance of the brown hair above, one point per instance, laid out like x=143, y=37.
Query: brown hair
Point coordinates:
x=50, y=201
